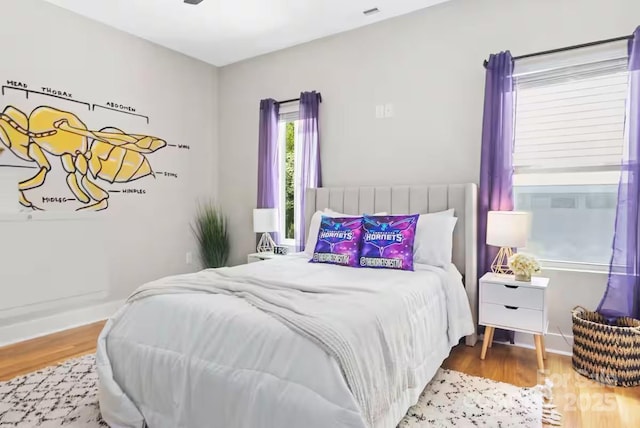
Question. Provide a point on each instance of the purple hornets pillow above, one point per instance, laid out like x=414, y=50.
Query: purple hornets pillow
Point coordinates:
x=388, y=241
x=338, y=241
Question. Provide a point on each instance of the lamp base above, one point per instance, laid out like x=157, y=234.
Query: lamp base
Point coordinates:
x=500, y=264
x=266, y=243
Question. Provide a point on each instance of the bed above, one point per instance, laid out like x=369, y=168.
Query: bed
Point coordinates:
x=286, y=343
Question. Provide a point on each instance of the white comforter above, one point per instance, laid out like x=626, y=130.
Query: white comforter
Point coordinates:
x=214, y=360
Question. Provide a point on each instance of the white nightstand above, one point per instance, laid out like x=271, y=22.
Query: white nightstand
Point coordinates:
x=258, y=257
x=514, y=305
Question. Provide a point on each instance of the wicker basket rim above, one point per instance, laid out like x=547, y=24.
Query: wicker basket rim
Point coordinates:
x=576, y=312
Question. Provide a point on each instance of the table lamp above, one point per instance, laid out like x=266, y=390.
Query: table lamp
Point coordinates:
x=507, y=230
x=265, y=221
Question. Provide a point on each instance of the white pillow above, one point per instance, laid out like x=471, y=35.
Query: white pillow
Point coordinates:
x=449, y=213
x=336, y=214
x=312, y=233
x=433, y=244
x=314, y=227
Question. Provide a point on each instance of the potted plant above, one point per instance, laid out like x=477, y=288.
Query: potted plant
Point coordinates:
x=523, y=266
x=211, y=231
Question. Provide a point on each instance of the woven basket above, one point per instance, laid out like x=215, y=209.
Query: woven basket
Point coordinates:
x=609, y=354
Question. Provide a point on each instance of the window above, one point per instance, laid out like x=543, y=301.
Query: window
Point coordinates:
x=569, y=135
x=288, y=133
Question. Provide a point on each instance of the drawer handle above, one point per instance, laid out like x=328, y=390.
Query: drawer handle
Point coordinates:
x=513, y=308
x=511, y=286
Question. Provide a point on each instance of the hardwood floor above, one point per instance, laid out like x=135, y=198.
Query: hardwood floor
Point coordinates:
x=32, y=355
x=583, y=403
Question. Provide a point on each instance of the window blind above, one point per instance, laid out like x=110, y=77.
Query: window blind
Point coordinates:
x=289, y=112
x=289, y=116
x=571, y=117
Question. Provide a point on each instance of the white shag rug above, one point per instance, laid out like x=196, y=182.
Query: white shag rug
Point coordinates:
x=66, y=396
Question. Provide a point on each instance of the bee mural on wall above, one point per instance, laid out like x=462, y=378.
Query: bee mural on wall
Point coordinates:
x=88, y=157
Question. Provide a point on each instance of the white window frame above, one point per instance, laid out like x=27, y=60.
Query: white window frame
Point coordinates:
x=609, y=175
x=568, y=178
x=287, y=113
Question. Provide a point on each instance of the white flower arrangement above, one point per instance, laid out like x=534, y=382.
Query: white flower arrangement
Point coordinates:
x=523, y=265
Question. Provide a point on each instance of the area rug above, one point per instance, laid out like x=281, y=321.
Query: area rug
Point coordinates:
x=66, y=396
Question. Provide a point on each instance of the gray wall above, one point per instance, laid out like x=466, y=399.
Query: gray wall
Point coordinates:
x=429, y=65
x=147, y=237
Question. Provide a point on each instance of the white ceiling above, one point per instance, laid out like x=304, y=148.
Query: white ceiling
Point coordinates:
x=221, y=32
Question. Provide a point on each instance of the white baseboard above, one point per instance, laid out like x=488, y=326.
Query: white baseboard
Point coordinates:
x=70, y=301
x=554, y=343
x=51, y=324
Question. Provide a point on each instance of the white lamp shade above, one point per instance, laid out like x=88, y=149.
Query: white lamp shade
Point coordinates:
x=265, y=220
x=508, y=228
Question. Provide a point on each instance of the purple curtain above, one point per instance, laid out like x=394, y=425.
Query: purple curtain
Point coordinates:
x=496, y=162
x=268, y=156
x=308, y=173
x=622, y=297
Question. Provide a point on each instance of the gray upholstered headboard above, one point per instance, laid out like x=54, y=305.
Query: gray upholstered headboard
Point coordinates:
x=416, y=199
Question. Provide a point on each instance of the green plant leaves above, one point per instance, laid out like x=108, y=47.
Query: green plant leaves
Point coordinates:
x=211, y=231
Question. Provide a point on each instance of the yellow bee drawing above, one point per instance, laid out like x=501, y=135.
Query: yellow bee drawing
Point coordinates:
x=108, y=154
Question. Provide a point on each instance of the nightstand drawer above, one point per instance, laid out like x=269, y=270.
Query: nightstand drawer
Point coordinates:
x=519, y=296
x=512, y=317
